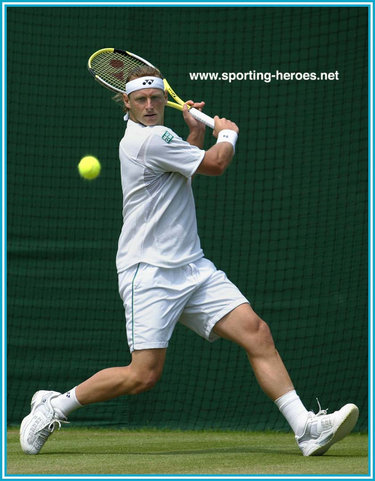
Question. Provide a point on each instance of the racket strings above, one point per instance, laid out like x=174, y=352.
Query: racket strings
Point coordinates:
x=114, y=68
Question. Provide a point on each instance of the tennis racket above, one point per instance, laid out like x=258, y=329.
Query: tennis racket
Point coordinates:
x=110, y=67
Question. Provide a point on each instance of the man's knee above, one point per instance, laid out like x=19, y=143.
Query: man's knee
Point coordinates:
x=146, y=382
x=253, y=327
x=144, y=379
x=257, y=339
x=146, y=369
x=246, y=328
x=264, y=332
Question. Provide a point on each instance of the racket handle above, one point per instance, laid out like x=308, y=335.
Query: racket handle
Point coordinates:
x=205, y=119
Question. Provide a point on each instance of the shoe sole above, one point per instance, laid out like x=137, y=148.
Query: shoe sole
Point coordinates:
x=27, y=449
x=345, y=428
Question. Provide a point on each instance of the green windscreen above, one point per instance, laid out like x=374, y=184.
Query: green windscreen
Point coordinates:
x=287, y=221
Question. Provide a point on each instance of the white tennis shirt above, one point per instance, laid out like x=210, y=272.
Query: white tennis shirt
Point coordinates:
x=159, y=219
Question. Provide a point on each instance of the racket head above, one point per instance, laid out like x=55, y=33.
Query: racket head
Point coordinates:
x=110, y=67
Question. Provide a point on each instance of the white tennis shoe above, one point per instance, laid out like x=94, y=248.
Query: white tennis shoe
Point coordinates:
x=37, y=426
x=322, y=429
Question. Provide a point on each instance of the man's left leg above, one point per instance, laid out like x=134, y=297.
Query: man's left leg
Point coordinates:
x=315, y=433
x=245, y=328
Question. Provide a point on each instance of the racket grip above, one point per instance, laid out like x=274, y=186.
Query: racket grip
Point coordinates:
x=205, y=119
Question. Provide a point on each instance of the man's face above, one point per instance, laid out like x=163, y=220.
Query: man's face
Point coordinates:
x=146, y=106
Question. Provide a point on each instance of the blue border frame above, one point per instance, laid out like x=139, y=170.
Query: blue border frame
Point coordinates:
x=4, y=230
x=192, y=3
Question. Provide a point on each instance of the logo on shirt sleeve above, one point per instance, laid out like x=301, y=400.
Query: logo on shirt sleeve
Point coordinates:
x=167, y=137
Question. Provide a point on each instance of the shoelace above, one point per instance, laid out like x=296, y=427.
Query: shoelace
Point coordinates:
x=55, y=422
x=47, y=430
x=321, y=411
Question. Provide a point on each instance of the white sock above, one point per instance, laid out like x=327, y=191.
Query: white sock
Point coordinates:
x=67, y=402
x=293, y=410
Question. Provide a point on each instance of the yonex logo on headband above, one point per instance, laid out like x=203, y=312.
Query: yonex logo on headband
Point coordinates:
x=144, y=83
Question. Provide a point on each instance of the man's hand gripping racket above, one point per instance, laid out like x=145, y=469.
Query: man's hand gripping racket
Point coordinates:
x=111, y=66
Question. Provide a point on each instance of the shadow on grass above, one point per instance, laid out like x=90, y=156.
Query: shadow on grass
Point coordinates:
x=209, y=451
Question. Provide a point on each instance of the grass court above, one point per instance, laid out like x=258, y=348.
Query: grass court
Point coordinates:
x=125, y=452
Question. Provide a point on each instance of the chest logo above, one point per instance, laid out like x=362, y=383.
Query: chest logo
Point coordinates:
x=167, y=137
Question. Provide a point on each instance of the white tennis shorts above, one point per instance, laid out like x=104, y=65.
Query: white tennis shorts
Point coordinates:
x=155, y=298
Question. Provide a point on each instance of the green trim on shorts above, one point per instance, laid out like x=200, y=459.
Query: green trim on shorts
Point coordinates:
x=135, y=275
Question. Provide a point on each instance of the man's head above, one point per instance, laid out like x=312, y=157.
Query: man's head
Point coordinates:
x=146, y=98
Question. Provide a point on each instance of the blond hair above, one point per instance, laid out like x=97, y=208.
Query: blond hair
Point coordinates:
x=137, y=72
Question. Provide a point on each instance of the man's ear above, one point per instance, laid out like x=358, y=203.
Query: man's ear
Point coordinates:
x=126, y=101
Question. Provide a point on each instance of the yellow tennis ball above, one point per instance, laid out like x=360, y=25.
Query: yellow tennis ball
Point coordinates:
x=89, y=167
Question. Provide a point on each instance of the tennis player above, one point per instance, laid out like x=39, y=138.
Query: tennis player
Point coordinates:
x=164, y=277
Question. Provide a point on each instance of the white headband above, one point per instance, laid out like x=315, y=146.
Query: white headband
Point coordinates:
x=144, y=83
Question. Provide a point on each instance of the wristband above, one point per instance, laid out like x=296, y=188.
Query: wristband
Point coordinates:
x=228, y=135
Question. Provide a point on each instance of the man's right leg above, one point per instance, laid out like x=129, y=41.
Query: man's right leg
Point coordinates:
x=50, y=408
x=140, y=375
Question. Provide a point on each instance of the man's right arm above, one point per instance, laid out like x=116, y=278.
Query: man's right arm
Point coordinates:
x=219, y=156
